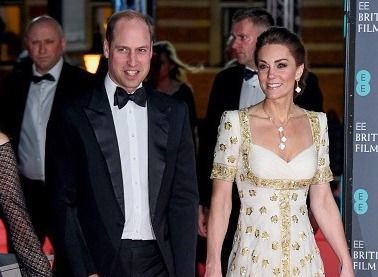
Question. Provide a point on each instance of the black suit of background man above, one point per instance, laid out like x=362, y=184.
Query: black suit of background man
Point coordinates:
x=19, y=108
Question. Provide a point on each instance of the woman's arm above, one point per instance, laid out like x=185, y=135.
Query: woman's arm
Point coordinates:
x=26, y=245
x=220, y=209
x=326, y=213
x=3, y=138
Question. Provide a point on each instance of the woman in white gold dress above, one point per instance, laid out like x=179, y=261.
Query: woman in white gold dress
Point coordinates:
x=278, y=154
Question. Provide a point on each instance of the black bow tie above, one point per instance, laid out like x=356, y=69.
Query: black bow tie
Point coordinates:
x=37, y=79
x=121, y=97
x=248, y=74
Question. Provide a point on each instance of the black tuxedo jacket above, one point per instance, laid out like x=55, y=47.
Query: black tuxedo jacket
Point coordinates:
x=83, y=164
x=16, y=88
x=224, y=95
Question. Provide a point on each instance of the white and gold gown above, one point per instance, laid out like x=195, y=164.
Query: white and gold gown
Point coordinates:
x=274, y=236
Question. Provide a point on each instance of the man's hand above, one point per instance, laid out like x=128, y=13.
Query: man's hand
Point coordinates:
x=203, y=216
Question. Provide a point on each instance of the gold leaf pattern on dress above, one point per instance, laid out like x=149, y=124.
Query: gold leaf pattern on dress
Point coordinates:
x=222, y=147
x=303, y=210
x=294, y=218
x=285, y=232
x=233, y=140
x=275, y=245
x=242, y=178
x=252, y=192
x=257, y=233
x=227, y=125
x=276, y=271
x=243, y=271
x=263, y=210
x=294, y=196
x=265, y=263
x=303, y=235
x=295, y=246
x=265, y=235
x=223, y=172
x=274, y=219
x=248, y=211
x=323, y=175
x=274, y=197
x=241, y=194
x=231, y=159
x=296, y=271
x=254, y=257
x=249, y=230
x=245, y=251
x=321, y=162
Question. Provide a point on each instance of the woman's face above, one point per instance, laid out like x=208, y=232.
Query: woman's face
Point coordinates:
x=165, y=66
x=277, y=71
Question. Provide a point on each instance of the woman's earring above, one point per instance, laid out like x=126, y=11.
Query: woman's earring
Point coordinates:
x=298, y=89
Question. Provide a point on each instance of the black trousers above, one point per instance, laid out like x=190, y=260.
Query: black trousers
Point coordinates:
x=38, y=202
x=139, y=258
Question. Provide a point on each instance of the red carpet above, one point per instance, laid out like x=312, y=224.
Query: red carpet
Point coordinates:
x=330, y=260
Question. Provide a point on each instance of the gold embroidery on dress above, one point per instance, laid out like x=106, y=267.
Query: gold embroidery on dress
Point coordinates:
x=227, y=125
x=245, y=251
x=222, y=147
x=223, y=172
x=249, y=230
x=263, y=210
x=231, y=159
x=233, y=140
x=265, y=263
x=265, y=235
x=285, y=232
x=274, y=219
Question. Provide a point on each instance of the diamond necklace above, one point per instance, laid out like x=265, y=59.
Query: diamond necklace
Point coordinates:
x=280, y=129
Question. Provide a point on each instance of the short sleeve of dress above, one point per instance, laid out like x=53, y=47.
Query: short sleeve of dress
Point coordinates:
x=323, y=173
x=226, y=151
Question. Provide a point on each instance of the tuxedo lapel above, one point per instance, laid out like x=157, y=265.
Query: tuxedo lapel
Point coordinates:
x=158, y=127
x=101, y=119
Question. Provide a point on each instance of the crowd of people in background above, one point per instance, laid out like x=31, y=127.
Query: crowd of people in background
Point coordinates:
x=120, y=174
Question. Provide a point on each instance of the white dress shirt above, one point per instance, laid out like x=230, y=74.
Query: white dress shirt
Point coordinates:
x=251, y=92
x=31, y=148
x=132, y=135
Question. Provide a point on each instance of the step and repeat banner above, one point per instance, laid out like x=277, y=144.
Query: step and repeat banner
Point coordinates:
x=361, y=117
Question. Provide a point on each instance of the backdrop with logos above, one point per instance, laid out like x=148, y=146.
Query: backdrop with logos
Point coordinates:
x=361, y=136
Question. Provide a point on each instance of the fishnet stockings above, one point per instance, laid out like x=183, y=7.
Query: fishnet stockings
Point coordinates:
x=31, y=260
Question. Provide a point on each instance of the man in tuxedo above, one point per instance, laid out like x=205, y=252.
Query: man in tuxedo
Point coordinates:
x=29, y=96
x=121, y=160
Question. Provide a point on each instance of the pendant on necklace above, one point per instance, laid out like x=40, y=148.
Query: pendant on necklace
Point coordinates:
x=283, y=139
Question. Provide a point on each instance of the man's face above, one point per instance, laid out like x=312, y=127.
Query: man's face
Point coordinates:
x=45, y=45
x=244, y=35
x=129, y=53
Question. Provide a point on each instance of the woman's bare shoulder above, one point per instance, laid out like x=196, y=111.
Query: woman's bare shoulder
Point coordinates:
x=3, y=138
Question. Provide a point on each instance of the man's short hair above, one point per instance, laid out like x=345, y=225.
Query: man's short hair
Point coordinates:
x=258, y=16
x=128, y=15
